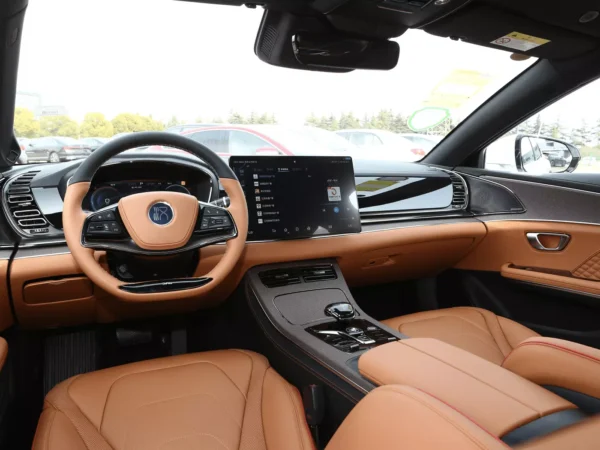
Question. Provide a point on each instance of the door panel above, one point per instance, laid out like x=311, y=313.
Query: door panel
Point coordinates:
x=556, y=293
x=506, y=243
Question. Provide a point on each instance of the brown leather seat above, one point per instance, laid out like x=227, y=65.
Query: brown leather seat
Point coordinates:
x=216, y=400
x=475, y=330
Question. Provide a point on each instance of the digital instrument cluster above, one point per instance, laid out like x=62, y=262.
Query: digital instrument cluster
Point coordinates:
x=107, y=194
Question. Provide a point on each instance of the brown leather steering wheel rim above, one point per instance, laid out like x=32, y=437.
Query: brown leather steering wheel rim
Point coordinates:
x=73, y=222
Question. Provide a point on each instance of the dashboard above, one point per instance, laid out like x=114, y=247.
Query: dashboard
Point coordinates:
x=410, y=223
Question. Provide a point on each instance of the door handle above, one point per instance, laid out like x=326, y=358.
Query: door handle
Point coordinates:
x=537, y=241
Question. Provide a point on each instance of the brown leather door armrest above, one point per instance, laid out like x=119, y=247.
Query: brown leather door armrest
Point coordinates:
x=552, y=280
x=3, y=352
x=554, y=362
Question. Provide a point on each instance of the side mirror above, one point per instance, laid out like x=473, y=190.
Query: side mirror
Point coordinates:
x=267, y=151
x=541, y=154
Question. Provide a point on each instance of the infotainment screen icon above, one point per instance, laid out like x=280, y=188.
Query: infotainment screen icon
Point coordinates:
x=296, y=197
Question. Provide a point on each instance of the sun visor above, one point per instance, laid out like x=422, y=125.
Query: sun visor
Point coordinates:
x=492, y=27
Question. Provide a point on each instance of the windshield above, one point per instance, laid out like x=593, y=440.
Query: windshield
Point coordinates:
x=117, y=67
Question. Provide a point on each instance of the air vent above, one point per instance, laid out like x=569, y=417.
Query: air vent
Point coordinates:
x=318, y=273
x=279, y=277
x=460, y=197
x=23, y=210
x=294, y=275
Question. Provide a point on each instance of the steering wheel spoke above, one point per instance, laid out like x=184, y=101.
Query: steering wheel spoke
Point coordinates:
x=104, y=227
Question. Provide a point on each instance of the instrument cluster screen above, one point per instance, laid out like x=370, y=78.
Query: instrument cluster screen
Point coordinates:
x=292, y=197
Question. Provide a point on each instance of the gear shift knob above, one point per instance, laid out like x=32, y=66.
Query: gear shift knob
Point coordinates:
x=340, y=311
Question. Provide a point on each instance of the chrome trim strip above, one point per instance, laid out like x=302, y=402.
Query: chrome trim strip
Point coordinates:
x=41, y=256
x=541, y=220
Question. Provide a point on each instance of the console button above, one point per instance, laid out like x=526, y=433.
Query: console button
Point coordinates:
x=353, y=330
x=208, y=211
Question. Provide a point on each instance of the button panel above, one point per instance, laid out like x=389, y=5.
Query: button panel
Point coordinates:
x=214, y=219
x=351, y=336
x=104, y=224
x=104, y=228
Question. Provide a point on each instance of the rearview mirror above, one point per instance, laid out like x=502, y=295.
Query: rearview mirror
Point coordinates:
x=311, y=43
x=540, y=154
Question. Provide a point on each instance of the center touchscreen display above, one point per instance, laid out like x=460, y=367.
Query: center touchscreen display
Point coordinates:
x=294, y=197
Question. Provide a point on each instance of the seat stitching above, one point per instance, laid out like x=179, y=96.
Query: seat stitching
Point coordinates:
x=50, y=429
x=188, y=396
x=475, y=378
x=448, y=420
x=195, y=434
x=465, y=416
x=246, y=396
x=286, y=387
x=156, y=370
x=70, y=420
x=558, y=347
x=504, y=335
x=262, y=399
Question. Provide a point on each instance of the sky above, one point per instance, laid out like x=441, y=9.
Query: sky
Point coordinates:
x=166, y=58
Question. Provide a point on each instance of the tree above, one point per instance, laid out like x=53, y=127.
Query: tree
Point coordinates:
x=129, y=123
x=400, y=124
x=366, y=121
x=173, y=122
x=267, y=119
x=58, y=126
x=312, y=120
x=254, y=118
x=217, y=120
x=582, y=135
x=96, y=125
x=383, y=120
x=199, y=119
x=25, y=124
x=348, y=121
x=236, y=118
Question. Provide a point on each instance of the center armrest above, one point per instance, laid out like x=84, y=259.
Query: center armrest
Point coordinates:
x=497, y=399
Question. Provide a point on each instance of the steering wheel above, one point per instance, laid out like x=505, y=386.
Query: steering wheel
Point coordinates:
x=154, y=223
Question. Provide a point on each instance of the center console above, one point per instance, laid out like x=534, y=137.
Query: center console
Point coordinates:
x=309, y=304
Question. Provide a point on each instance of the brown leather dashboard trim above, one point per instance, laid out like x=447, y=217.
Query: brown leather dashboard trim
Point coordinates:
x=6, y=315
x=420, y=250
